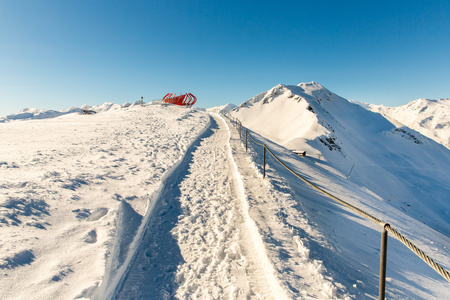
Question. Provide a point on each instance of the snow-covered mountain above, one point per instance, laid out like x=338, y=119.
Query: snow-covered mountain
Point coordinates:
x=36, y=113
x=223, y=109
x=402, y=167
x=429, y=117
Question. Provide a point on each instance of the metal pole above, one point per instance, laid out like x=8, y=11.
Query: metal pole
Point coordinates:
x=383, y=254
x=240, y=131
x=246, y=138
x=264, y=163
x=350, y=171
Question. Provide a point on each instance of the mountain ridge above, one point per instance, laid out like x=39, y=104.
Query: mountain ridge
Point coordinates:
x=395, y=162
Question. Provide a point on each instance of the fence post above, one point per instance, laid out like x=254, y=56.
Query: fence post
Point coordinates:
x=246, y=138
x=350, y=171
x=240, y=131
x=383, y=254
x=264, y=163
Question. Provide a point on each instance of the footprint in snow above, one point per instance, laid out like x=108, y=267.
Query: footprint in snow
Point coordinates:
x=61, y=274
x=97, y=214
x=22, y=258
x=82, y=213
x=91, y=237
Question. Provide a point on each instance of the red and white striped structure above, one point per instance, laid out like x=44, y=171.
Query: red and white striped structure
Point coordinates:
x=182, y=100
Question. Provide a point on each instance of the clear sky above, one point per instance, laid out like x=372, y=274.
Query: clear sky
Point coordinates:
x=57, y=54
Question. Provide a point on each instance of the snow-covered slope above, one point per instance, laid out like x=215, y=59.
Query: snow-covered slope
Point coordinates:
x=429, y=117
x=402, y=167
x=382, y=167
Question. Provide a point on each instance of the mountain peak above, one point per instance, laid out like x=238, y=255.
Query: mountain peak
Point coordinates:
x=312, y=85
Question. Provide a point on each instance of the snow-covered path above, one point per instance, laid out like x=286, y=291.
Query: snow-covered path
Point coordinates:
x=198, y=243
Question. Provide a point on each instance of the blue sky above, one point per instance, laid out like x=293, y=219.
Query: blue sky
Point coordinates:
x=63, y=53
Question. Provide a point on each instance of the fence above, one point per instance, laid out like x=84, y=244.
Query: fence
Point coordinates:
x=385, y=226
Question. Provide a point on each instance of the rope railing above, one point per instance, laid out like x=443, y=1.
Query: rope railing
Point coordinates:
x=385, y=226
x=437, y=267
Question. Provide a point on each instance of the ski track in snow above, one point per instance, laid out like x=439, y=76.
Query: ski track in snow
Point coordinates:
x=196, y=245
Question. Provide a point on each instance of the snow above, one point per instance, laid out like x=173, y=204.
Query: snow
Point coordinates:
x=223, y=110
x=310, y=117
x=429, y=117
x=159, y=201
x=399, y=176
x=35, y=113
x=74, y=188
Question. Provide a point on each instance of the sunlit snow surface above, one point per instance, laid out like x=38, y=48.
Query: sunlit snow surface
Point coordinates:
x=164, y=201
x=398, y=175
x=66, y=182
x=403, y=168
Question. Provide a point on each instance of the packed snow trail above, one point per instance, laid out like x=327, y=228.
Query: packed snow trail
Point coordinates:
x=198, y=243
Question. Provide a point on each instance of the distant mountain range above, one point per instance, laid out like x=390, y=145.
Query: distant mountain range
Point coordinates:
x=429, y=117
x=223, y=109
x=35, y=113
